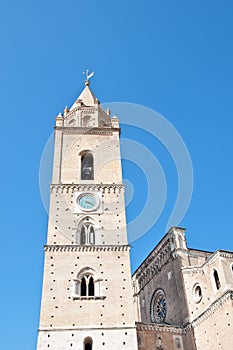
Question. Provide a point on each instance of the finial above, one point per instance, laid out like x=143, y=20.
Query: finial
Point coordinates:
x=88, y=76
x=66, y=110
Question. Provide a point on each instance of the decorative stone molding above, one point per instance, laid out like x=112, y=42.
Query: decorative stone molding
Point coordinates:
x=75, y=327
x=70, y=188
x=86, y=248
x=98, y=297
x=193, y=269
x=225, y=254
x=159, y=328
x=89, y=110
x=70, y=130
x=152, y=266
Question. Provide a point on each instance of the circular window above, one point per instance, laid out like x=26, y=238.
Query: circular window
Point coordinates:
x=158, y=307
x=197, y=293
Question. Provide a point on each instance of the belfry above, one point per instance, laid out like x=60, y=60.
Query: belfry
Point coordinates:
x=87, y=298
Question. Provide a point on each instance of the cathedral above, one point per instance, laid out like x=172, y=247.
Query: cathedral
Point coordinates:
x=178, y=298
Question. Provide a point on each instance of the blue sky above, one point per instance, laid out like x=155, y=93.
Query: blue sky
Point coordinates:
x=174, y=57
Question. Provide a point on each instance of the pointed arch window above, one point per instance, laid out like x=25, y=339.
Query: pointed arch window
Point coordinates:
x=87, y=166
x=83, y=287
x=87, y=286
x=91, y=288
x=87, y=234
x=217, y=280
x=83, y=235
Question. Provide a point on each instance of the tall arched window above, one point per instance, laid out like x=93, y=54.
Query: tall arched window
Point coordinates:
x=86, y=231
x=216, y=279
x=87, y=234
x=87, y=166
x=87, y=286
x=87, y=343
x=91, y=289
x=91, y=234
x=83, y=235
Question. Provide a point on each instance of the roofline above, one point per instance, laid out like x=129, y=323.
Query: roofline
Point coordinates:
x=169, y=232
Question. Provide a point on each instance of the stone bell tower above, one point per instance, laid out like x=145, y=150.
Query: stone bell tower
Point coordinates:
x=87, y=301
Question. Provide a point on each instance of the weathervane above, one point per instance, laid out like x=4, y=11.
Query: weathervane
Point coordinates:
x=88, y=76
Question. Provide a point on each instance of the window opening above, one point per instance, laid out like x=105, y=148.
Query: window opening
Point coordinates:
x=217, y=281
x=88, y=343
x=83, y=287
x=83, y=235
x=87, y=169
x=87, y=234
x=91, y=287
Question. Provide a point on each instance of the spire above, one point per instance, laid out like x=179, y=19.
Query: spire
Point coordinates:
x=86, y=97
x=86, y=110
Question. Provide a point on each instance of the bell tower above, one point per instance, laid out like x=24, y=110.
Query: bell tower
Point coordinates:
x=87, y=299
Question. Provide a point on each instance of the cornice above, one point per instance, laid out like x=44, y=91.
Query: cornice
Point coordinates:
x=70, y=188
x=85, y=248
x=159, y=328
x=153, y=264
x=226, y=254
x=193, y=269
x=165, y=242
x=86, y=328
x=87, y=131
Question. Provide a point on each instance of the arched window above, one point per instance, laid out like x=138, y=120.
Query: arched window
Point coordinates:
x=83, y=287
x=87, y=234
x=91, y=235
x=87, y=286
x=216, y=279
x=91, y=290
x=86, y=231
x=87, y=343
x=83, y=235
x=87, y=167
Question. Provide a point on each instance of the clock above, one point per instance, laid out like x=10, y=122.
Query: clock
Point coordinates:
x=87, y=202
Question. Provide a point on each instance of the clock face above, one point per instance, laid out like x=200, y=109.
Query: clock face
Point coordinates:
x=87, y=202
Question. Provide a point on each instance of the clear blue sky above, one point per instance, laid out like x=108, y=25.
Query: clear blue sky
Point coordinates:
x=172, y=56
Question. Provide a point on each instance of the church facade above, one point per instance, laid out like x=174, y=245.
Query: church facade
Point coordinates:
x=178, y=298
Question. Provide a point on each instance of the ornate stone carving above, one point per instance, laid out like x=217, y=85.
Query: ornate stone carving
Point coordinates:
x=70, y=188
x=78, y=248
